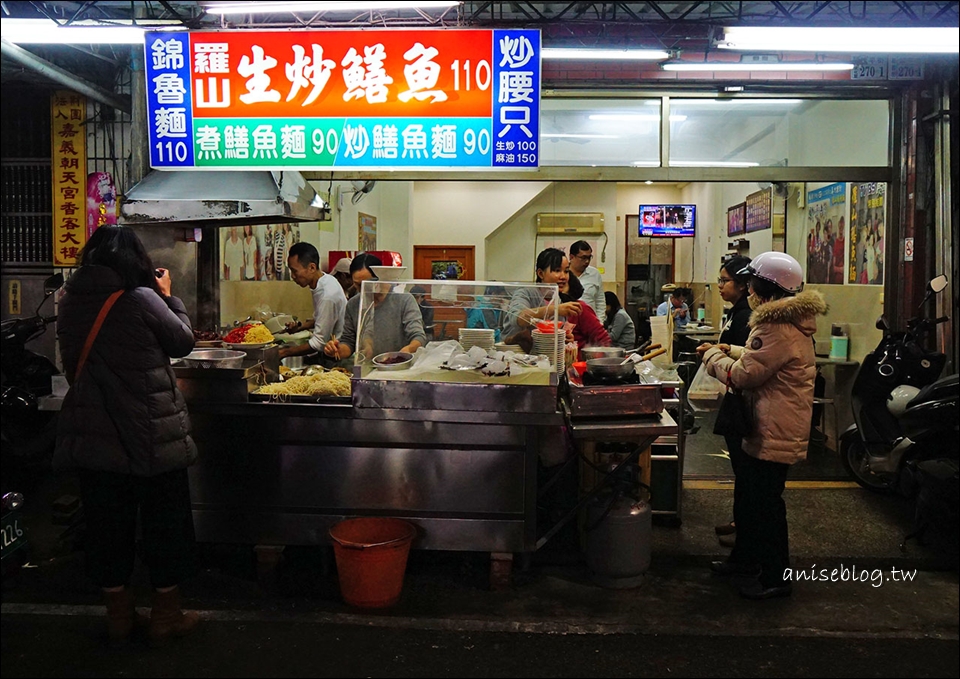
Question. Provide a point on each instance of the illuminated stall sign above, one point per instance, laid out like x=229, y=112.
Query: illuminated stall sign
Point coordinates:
x=344, y=99
x=69, y=168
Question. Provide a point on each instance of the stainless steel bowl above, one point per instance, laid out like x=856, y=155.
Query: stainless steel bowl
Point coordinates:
x=214, y=358
x=378, y=360
x=589, y=353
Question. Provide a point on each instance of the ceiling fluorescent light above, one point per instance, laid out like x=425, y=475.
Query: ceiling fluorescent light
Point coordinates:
x=608, y=54
x=712, y=163
x=564, y=135
x=43, y=31
x=635, y=117
x=346, y=6
x=719, y=66
x=736, y=102
x=852, y=40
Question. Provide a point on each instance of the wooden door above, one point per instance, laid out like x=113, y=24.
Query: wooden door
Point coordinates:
x=444, y=262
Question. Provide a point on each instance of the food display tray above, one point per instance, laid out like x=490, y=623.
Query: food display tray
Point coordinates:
x=300, y=398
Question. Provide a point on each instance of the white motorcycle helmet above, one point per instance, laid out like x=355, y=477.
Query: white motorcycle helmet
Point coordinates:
x=778, y=268
x=899, y=398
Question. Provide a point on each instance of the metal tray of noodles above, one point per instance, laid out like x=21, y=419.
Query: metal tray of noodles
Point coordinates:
x=214, y=358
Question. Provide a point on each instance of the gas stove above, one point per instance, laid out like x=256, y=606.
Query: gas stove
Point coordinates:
x=611, y=398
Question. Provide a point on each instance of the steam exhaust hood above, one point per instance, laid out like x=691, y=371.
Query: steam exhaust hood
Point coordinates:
x=217, y=198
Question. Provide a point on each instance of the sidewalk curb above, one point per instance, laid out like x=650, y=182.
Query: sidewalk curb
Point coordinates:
x=559, y=627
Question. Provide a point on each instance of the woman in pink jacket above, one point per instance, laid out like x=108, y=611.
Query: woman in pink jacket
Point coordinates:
x=775, y=372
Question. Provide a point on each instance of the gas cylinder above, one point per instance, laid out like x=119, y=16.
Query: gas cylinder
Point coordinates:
x=618, y=541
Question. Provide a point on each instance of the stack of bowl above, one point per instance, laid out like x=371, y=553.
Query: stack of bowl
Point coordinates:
x=477, y=337
x=551, y=345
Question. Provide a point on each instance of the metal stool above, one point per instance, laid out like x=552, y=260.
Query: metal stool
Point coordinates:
x=823, y=420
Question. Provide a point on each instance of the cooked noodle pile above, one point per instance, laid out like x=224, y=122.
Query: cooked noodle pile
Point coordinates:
x=323, y=384
x=257, y=334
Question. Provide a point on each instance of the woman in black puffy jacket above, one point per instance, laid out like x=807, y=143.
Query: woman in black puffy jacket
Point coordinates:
x=124, y=427
x=732, y=286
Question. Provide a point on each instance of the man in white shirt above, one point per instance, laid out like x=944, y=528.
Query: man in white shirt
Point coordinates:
x=580, y=256
x=329, y=302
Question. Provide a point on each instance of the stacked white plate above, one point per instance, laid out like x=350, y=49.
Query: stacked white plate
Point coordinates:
x=515, y=348
x=550, y=344
x=477, y=337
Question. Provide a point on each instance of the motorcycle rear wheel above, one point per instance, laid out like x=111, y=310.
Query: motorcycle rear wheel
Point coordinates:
x=853, y=455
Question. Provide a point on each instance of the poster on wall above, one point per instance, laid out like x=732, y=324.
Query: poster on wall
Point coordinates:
x=101, y=201
x=826, y=224
x=758, y=209
x=257, y=253
x=367, y=229
x=736, y=217
x=867, y=203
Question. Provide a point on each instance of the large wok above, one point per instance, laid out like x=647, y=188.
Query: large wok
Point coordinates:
x=589, y=353
x=614, y=367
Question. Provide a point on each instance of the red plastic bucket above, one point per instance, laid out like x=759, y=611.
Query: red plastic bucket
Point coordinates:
x=371, y=558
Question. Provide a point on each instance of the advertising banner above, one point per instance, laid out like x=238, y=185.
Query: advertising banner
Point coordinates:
x=68, y=157
x=826, y=222
x=371, y=99
x=867, y=202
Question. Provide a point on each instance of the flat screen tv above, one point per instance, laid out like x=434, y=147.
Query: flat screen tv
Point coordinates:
x=668, y=221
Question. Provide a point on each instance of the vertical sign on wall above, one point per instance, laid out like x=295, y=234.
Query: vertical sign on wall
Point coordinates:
x=69, y=169
x=371, y=99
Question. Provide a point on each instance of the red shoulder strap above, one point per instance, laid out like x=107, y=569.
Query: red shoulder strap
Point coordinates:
x=95, y=330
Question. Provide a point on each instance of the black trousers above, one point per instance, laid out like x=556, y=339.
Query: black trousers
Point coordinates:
x=735, y=448
x=761, y=517
x=111, y=503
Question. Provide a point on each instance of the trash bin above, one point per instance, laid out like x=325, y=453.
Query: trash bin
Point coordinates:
x=371, y=556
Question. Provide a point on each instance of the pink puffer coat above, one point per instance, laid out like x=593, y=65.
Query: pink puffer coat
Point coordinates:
x=776, y=371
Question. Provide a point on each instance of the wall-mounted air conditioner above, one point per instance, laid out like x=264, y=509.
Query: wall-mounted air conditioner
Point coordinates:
x=566, y=223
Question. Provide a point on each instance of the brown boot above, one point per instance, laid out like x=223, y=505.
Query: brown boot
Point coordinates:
x=166, y=618
x=122, y=617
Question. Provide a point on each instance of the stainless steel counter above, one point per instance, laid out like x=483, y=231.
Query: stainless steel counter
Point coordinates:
x=282, y=474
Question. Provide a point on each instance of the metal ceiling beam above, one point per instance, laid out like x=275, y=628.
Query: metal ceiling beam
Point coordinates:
x=61, y=76
x=533, y=14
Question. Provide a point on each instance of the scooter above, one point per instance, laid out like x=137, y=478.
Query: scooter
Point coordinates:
x=904, y=438
x=26, y=375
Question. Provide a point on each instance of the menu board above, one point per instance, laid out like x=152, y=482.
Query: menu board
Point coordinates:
x=328, y=99
x=759, y=209
x=736, y=219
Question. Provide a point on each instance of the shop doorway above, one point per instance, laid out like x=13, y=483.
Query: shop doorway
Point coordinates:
x=444, y=262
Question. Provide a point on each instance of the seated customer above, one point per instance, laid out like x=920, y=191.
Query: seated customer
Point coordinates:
x=486, y=314
x=677, y=306
x=618, y=323
x=399, y=324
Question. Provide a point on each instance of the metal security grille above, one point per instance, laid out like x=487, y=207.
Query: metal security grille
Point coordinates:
x=26, y=209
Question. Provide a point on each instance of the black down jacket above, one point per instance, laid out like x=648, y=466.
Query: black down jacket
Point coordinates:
x=124, y=414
